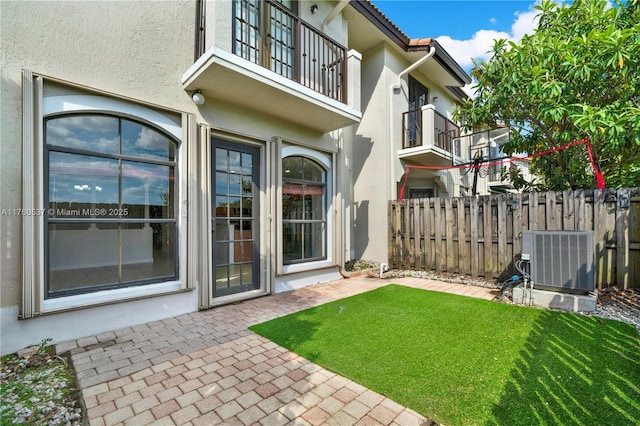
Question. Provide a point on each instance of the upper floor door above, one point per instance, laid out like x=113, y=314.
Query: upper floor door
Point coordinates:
x=418, y=97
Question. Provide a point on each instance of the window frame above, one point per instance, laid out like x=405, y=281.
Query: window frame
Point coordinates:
x=42, y=96
x=326, y=162
x=304, y=220
x=120, y=221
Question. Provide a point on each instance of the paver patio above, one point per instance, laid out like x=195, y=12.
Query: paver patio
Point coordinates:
x=206, y=368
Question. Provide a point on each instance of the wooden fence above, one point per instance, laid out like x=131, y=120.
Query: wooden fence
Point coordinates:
x=481, y=236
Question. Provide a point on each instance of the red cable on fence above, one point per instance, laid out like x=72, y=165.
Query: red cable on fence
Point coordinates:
x=596, y=171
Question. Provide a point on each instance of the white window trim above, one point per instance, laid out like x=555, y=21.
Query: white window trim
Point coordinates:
x=39, y=107
x=325, y=160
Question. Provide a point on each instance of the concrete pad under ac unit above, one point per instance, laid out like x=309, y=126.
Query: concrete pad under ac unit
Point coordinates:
x=555, y=300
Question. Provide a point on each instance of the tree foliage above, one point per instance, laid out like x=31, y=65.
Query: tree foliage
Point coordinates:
x=577, y=76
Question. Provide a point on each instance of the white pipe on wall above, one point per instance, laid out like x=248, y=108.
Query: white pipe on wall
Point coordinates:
x=335, y=12
x=394, y=87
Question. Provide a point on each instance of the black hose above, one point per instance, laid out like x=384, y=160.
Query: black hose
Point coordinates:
x=509, y=283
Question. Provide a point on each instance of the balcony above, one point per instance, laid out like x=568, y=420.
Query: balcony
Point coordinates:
x=281, y=66
x=427, y=137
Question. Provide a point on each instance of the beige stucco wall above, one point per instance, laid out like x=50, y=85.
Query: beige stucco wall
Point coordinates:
x=378, y=170
x=370, y=165
x=138, y=51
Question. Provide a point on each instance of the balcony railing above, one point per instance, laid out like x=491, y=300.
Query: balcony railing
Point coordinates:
x=270, y=35
x=487, y=147
x=426, y=127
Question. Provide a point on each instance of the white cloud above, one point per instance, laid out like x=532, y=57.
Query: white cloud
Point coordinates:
x=493, y=20
x=481, y=43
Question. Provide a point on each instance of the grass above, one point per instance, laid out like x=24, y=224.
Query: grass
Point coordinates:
x=464, y=361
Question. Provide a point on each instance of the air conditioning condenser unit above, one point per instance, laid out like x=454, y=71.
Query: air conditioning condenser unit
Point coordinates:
x=560, y=260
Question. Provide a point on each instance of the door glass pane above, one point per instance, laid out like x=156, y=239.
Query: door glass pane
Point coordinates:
x=222, y=206
x=247, y=164
x=247, y=206
x=234, y=206
x=234, y=162
x=234, y=184
x=221, y=276
x=222, y=253
x=247, y=274
x=222, y=160
x=234, y=275
x=222, y=182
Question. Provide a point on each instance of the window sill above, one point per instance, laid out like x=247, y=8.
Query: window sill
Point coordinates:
x=302, y=267
x=110, y=296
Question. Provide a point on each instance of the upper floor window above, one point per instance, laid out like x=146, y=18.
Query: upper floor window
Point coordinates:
x=270, y=33
x=111, y=194
x=304, y=205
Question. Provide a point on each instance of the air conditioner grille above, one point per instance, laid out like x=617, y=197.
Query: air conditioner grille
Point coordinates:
x=560, y=259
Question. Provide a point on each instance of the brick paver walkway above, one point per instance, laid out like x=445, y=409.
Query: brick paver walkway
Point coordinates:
x=206, y=368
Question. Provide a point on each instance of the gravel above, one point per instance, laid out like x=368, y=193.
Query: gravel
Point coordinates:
x=38, y=389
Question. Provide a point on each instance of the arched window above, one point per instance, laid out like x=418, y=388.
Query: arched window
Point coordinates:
x=304, y=210
x=111, y=199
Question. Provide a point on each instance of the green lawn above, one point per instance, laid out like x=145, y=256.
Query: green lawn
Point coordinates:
x=464, y=361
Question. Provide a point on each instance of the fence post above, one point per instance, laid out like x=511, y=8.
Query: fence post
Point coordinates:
x=463, y=257
x=622, y=241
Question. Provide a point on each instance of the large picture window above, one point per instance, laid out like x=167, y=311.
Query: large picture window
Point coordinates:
x=304, y=207
x=110, y=194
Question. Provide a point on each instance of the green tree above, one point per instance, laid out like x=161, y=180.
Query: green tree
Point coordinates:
x=577, y=76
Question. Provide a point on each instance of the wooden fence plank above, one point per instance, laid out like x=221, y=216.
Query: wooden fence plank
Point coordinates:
x=475, y=248
x=488, y=238
x=437, y=231
x=517, y=225
x=429, y=254
x=550, y=211
x=533, y=212
x=449, y=218
x=502, y=236
x=398, y=238
x=463, y=251
x=417, y=235
x=581, y=211
x=568, y=211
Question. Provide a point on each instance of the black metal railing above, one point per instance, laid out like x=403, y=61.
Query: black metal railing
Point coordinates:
x=445, y=130
x=272, y=36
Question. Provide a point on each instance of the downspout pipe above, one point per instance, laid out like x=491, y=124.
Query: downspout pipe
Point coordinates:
x=335, y=12
x=394, y=87
x=398, y=85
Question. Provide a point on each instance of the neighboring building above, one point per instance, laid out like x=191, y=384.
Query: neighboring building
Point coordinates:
x=125, y=199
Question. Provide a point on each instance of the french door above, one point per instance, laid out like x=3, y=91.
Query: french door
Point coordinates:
x=235, y=218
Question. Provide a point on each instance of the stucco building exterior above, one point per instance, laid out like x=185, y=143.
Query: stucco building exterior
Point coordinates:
x=163, y=157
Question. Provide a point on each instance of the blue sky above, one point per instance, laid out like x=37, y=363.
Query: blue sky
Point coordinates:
x=464, y=28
